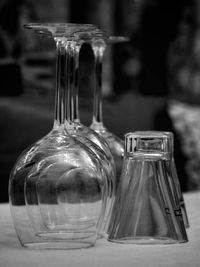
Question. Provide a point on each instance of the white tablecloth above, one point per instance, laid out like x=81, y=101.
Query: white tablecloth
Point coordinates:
x=104, y=253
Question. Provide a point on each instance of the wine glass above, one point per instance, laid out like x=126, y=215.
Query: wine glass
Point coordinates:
x=116, y=145
x=89, y=37
x=57, y=188
x=84, y=134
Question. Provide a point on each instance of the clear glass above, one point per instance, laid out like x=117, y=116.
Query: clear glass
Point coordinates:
x=115, y=143
x=84, y=134
x=172, y=172
x=145, y=211
x=57, y=189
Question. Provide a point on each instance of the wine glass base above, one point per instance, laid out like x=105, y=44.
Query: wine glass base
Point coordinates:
x=62, y=240
x=65, y=245
x=63, y=236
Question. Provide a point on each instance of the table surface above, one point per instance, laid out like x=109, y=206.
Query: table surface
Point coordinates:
x=105, y=253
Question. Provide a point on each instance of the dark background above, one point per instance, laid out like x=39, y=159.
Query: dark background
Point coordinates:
x=140, y=77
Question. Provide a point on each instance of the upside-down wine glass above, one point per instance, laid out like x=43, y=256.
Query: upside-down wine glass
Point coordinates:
x=89, y=37
x=57, y=187
x=98, y=45
x=84, y=134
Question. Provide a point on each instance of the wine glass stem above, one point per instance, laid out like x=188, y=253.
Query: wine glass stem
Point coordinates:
x=72, y=51
x=70, y=82
x=97, y=105
x=59, y=112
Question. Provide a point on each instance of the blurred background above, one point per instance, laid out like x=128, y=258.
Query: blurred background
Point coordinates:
x=151, y=82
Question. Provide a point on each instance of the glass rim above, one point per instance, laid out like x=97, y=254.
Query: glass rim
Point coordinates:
x=149, y=134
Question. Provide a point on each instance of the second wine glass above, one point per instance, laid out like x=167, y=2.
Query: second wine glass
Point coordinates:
x=116, y=145
x=84, y=134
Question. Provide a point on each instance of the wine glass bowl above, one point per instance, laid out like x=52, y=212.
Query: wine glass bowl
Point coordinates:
x=116, y=146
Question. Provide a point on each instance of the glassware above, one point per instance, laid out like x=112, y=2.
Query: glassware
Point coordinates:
x=84, y=134
x=146, y=210
x=116, y=144
x=172, y=172
x=57, y=188
x=99, y=140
